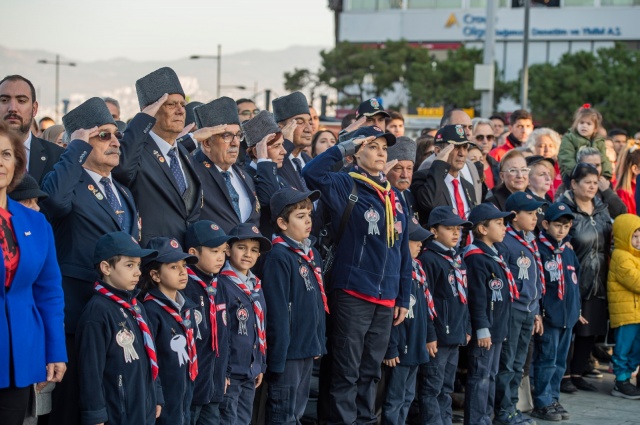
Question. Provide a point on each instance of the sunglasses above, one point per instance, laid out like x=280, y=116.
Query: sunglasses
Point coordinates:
x=106, y=136
x=480, y=137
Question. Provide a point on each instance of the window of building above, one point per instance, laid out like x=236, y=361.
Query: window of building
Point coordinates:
x=434, y=4
x=579, y=3
x=483, y=3
x=620, y=2
x=374, y=4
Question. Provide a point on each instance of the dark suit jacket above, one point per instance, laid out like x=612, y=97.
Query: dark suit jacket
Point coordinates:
x=267, y=182
x=217, y=205
x=288, y=171
x=80, y=214
x=146, y=172
x=42, y=157
x=430, y=191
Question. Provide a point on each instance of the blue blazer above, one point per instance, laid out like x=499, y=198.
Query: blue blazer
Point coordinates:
x=33, y=307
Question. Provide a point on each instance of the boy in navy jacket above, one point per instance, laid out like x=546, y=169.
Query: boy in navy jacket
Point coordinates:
x=448, y=286
x=297, y=304
x=117, y=364
x=208, y=242
x=246, y=313
x=560, y=312
x=172, y=320
x=526, y=266
x=408, y=341
x=491, y=292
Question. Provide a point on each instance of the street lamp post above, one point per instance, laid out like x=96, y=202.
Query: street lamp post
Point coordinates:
x=218, y=58
x=57, y=63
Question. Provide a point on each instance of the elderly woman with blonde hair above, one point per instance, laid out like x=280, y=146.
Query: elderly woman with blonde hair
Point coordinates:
x=546, y=142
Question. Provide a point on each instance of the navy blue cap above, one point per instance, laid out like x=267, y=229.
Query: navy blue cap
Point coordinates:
x=522, y=201
x=169, y=251
x=446, y=216
x=289, y=196
x=557, y=210
x=488, y=211
x=453, y=134
x=536, y=159
x=120, y=243
x=417, y=232
x=376, y=132
x=205, y=233
x=371, y=107
x=249, y=231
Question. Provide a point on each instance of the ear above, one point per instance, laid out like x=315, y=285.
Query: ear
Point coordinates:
x=482, y=230
x=105, y=268
x=155, y=276
x=227, y=250
x=35, y=109
x=573, y=185
x=193, y=251
x=545, y=224
x=282, y=224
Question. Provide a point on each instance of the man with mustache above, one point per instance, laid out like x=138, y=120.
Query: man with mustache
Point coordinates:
x=84, y=203
x=229, y=194
x=18, y=107
x=401, y=174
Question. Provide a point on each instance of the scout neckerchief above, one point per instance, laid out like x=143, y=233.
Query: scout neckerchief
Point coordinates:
x=513, y=288
x=421, y=277
x=523, y=262
x=210, y=290
x=555, y=270
x=188, y=330
x=317, y=271
x=388, y=198
x=257, y=308
x=456, y=264
x=146, y=333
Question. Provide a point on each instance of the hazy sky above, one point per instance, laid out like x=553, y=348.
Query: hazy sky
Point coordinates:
x=87, y=30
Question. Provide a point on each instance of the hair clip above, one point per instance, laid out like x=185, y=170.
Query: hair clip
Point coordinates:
x=586, y=106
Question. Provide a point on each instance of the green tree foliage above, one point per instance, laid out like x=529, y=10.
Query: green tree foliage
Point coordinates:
x=300, y=80
x=608, y=80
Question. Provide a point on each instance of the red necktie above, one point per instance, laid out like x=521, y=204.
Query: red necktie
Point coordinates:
x=458, y=198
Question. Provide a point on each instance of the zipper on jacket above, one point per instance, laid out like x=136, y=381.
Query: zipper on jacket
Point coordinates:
x=203, y=312
x=126, y=316
x=122, y=395
x=446, y=317
x=290, y=318
x=384, y=265
x=364, y=243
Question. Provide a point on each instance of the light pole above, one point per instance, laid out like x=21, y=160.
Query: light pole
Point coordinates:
x=57, y=63
x=217, y=58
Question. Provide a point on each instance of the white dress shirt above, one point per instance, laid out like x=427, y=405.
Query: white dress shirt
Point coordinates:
x=164, y=150
x=244, y=202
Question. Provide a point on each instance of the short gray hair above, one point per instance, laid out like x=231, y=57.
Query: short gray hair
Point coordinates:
x=539, y=132
x=587, y=151
x=481, y=121
x=112, y=101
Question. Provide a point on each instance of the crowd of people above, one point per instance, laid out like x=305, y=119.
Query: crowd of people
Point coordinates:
x=199, y=263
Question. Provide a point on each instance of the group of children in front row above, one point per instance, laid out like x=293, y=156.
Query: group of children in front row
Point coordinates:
x=196, y=346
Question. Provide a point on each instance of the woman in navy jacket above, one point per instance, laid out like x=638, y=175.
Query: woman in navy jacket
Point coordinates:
x=32, y=348
x=372, y=271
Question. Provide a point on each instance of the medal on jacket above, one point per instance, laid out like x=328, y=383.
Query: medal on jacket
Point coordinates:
x=198, y=317
x=554, y=271
x=495, y=285
x=243, y=315
x=412, y=302
x=372, y=216
x=304, y=272
x=523, y=266
x=179, y=345
x=125, y=339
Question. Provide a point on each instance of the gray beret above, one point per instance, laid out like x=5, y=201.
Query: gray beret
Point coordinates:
x=220, y=111
x=403, y=150
x=288, y=106
x=259, y=126
x=92, y=113
x=151, y=87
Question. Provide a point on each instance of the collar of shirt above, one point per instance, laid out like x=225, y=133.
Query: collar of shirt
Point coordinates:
x=291, y=157
x=27, y=143
x=446, y=248
x=305, y=245
x=178, y=302
x=162, y=145
x=96, y=178
x=231, y=171
x=249, y=279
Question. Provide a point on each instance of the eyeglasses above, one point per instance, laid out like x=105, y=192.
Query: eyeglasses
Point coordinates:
x=228, y=137
x=174, y=105
x=249, y=112
x=106, y=136
x=518, y=171
x=480, y=137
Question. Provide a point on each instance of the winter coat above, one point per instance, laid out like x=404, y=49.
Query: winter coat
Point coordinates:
x=623, y=286
x=571, y=144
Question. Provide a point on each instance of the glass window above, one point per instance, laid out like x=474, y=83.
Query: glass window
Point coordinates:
x=620, y=2
x=483, y=3
x=362, y=4
x=389, y=4
x=434, y=4
x=579, y=3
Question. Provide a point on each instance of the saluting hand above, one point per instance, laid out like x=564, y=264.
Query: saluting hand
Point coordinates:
x=262, y=146
x=363, y=140
x=443, y=155
x=204, y=133
x=389, y=166
x=84, y=134
x=356, y=124
x=153, y=109
x=288, y=129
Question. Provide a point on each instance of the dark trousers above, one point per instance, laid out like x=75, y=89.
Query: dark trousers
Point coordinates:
x=360, y=337
x=401, y=389
x=581, y=358
x=64, y=398
x=288, y=392
x=205, y=414
x=14, y=403
x=512, y=359
x=549, y=364
x=437, y=378
x=237, y=406
x=481, y=383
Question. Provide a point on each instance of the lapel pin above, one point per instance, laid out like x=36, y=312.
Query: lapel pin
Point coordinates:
x=27, y=233
x=43, y=158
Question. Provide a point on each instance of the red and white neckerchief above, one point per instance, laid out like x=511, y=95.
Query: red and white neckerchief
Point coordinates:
x=191, y=342
x=533, y=248
x=209, y=289
x=149, y=346
x=257, y=307
x=317, y=271
x=456, y=264
x=421, y=278
x=556, y=274
x=513, y=289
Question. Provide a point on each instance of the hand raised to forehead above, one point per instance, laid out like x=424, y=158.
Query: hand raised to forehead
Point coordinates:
x=262, y=146
x=204, y=133
x=84, y=134
x=443, y=155
x=356, y=124
x=389, y=165
x=153, y=109
x=288, y=129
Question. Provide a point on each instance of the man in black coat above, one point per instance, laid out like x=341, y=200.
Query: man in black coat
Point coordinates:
x=229, y=194
x=18, y=107
x=401, y=174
